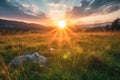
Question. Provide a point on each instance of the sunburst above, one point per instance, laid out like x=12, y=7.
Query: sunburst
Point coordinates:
x=62, y=24
x=61, y=34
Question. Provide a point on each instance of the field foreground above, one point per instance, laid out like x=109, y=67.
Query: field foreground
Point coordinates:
x=86, y=56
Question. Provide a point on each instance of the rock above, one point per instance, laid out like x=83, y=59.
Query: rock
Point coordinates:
x=31, y=58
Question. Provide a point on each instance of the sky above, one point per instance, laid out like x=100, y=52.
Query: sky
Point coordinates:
x=51, y=11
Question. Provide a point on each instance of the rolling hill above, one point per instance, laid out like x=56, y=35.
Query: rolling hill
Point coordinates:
x=19, y=26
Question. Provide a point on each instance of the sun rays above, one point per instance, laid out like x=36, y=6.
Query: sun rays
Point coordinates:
x=61, y=34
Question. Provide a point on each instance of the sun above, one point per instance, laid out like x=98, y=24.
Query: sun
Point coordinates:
x=62, y=24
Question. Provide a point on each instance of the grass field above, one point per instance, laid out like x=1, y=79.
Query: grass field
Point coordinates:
x=87, y=56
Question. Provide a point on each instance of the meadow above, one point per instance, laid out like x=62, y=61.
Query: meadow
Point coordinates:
x=86, y=56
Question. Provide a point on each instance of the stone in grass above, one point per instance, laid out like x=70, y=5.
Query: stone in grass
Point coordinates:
x=31, y=58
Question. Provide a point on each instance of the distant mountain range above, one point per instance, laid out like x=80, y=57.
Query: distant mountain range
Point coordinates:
x=95, y=25
x=16, y=25
x=22, y=26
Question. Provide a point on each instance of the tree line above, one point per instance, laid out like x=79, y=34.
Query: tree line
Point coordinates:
x=115, y=26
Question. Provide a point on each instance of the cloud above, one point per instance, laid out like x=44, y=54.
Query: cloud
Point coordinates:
x=93, y=7
x=53, y=1
x=25, y=5
x=57, y=10
x=54, y=4
x=13, y=9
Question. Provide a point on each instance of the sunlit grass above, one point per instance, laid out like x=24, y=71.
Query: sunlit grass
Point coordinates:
x=87, y=56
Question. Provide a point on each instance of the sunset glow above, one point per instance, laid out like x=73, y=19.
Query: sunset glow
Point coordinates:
x=62, y=24
x=47, y=11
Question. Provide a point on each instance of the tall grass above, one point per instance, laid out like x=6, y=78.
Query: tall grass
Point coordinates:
x=88, y=56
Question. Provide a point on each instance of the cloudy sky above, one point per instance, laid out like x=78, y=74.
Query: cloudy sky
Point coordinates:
x=45, y=11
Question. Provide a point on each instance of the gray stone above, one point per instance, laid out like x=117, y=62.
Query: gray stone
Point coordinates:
x=31, y=58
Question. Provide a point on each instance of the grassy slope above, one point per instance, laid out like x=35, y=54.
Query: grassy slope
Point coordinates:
x=88, y=56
